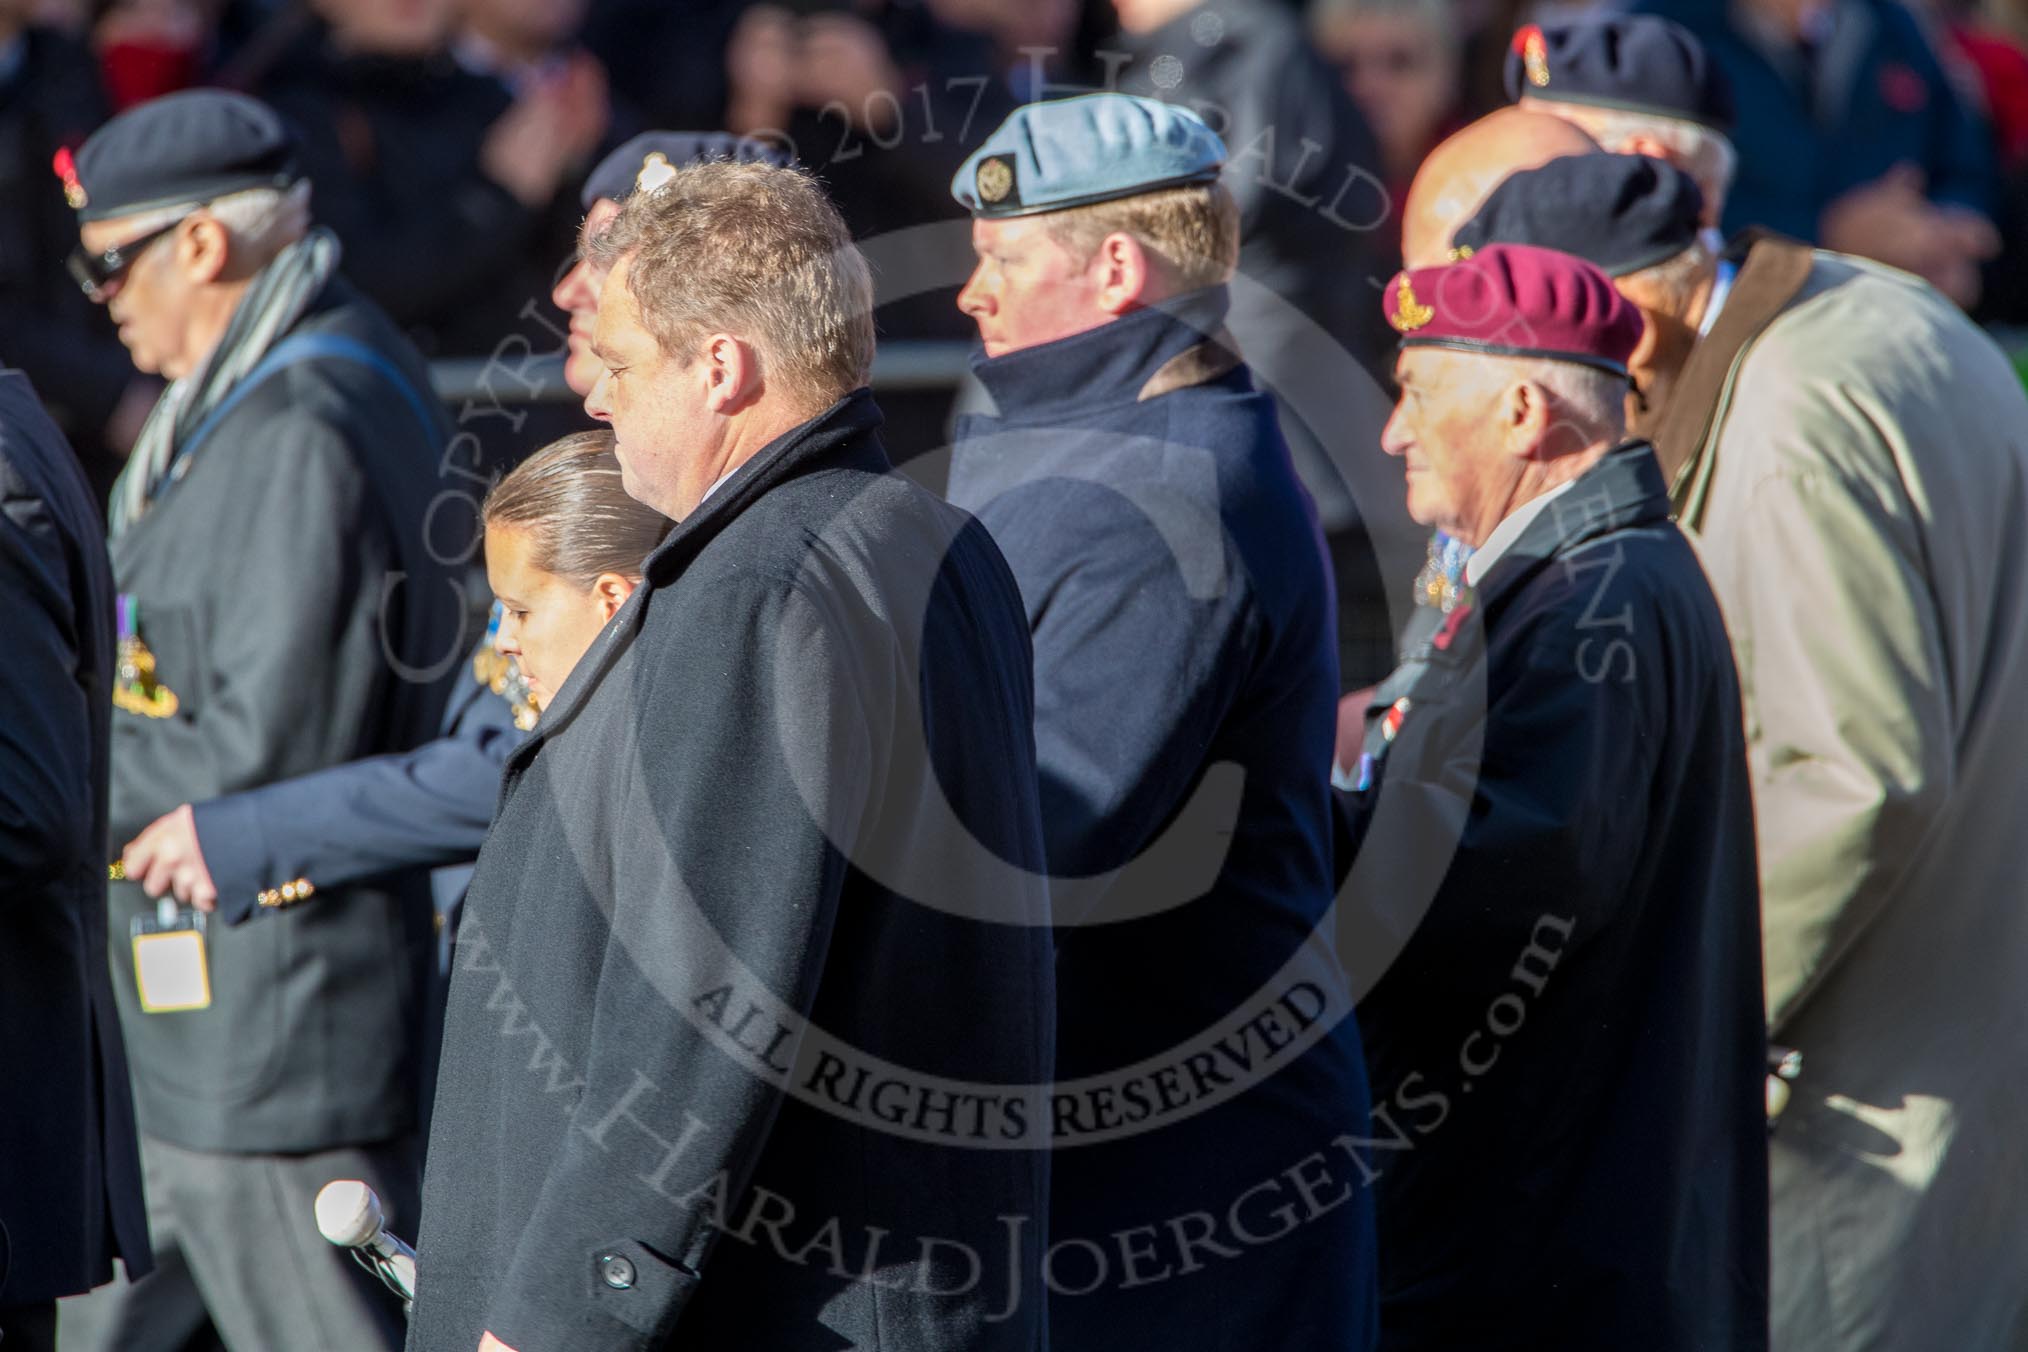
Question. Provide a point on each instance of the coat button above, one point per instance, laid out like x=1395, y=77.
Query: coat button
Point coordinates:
x=615, y=1271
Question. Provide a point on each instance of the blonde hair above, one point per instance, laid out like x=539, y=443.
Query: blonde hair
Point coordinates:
x=758, y=252
x=582, y=523
x=1193, y=230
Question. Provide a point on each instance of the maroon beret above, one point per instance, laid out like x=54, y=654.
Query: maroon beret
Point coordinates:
x=1515, y=300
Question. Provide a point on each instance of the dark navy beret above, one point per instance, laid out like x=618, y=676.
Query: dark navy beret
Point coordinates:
x=1620, y=212
x=636, y=164
x=1094, y=148
x=193, y=146
x=1639, y=62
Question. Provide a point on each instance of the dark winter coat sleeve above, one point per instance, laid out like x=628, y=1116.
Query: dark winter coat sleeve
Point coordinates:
x=417, y=809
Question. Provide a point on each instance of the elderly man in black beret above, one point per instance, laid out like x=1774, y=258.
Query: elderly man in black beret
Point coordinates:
x=1553, y=892
x=1846, y=147
x=280, y=610
x=1638, y=85
x=1851, y=456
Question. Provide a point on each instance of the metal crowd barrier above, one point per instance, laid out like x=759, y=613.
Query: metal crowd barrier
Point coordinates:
x=909, y=366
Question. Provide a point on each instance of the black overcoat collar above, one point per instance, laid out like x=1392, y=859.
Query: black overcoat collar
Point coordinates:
x=842, y=436
x=1623, y=491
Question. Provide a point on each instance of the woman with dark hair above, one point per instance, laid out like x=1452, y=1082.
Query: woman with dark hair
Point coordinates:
x=564, y=545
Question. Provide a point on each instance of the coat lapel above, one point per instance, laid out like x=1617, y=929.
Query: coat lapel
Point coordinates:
x=1774, y=272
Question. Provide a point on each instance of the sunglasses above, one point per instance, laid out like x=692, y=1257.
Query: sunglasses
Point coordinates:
x=96, y=272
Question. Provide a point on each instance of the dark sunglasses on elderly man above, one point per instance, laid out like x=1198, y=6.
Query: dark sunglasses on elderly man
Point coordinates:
x=96, y=272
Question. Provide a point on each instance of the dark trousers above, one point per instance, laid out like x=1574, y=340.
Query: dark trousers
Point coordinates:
x=28, y=1328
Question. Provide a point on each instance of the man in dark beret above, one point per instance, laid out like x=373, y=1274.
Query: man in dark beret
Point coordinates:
x=1638, y=85
x=1850, y=454
x=280, y=610
x=1851, y=133
x=1552, y=898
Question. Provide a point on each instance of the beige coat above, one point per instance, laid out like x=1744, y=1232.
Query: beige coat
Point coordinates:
x=1860, y=499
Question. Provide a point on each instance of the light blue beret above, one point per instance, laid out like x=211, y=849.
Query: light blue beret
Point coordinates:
x=1093, y=148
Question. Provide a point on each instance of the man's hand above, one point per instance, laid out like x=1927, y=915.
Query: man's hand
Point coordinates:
x=844, y=59
x=488, y=1343
x=549, y=131
x=1891, y=221
x=167, y=858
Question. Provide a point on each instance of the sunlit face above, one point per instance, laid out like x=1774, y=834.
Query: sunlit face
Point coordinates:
x=655, y=402
x=1026, y=288
x=1445, y=429
x=150, y=302
x=548, y=622
x=577, y=295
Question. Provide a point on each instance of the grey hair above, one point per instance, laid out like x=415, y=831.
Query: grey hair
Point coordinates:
x=1592, y=401
x=1669, y=284
x=1588, y=402
x=1708, y=154
x=259, y=221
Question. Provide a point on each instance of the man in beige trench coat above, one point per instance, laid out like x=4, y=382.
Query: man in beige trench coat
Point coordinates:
x=1851, y=454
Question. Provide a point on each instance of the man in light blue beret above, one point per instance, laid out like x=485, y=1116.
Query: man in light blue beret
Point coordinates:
x=1186, y=682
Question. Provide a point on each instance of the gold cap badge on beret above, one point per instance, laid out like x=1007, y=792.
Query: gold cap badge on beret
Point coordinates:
x=1409, y=314
x=655, y=171
x=995, y=178
x=1534, y=55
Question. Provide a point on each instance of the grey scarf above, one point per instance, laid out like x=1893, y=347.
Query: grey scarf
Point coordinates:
x=274, y=301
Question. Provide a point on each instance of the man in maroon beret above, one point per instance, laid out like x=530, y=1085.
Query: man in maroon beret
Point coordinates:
x=1553, y=906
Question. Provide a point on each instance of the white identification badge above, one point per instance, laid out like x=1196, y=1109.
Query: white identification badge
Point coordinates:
x=169, y=965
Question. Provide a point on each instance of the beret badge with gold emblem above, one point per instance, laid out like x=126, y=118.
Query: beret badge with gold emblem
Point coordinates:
x=995, y=178
x=1409, y=314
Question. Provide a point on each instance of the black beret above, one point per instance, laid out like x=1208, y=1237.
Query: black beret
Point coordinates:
x=1639, y=62
x=619, y=173
x=193, y=146
x=1620, y=212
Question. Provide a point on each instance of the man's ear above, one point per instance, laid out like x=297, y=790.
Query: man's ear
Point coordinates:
x=203, y=249
x=611, y=591
x=731, y=373
x=1525, y=416
x=1129, y=276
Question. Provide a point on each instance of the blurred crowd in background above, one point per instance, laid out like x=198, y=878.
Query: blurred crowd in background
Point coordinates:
x=447, y=138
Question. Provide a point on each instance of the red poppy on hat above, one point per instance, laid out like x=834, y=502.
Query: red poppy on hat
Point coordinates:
x=1515, y=300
